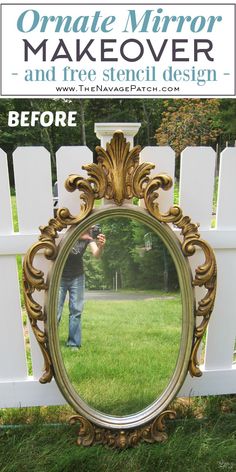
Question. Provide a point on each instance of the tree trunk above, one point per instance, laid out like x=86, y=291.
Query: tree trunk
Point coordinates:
x=82, y=116
x=146, y=118
x=165, y=272
x=50, y=145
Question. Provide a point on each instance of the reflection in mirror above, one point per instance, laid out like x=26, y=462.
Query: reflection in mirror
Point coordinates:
x=131, y=322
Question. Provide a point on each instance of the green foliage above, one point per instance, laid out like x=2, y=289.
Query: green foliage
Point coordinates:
x=94, y=273
x=147, y=112
x=14, y=213
x=200, y=119
x=156, y=269
x=189, y=122
x=128, y=262
x=179, y=122
x=228, y=119
x=117, y=254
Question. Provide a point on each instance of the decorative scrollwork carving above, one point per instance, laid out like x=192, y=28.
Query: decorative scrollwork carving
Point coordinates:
x=33, y=279
x=205, y=274
x=118, y=164
x=90, y=434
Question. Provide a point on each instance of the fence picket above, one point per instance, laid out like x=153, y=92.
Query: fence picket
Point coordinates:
x=226, y=204
x=32, y=168
x=222, y=329
x=197, y=174
x=164, y=159
x=6, y=224
x=12, y=349
x=69, y=161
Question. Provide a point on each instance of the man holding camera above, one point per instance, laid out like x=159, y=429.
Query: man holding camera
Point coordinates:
x=73, y=281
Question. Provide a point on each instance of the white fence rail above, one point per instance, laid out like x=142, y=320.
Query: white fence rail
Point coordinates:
x=32, y=170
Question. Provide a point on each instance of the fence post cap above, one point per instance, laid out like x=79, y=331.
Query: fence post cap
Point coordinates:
x=108, y=129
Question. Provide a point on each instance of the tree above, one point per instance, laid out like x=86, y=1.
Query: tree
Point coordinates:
x=228, y=117
x=188, y=122
x=117, y=253
x=128, y=259
x=10, y=138
x=156, y=269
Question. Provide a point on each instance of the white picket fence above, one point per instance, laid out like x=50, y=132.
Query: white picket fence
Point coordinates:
x=32, y=169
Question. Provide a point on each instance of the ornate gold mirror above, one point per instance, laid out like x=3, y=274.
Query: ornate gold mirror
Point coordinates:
x=136, y=346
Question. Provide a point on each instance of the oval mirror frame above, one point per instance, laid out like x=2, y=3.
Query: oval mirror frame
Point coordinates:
x=185, y=281
x=119, y=177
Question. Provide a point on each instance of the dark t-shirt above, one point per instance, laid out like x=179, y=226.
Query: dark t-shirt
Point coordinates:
x=74, y=263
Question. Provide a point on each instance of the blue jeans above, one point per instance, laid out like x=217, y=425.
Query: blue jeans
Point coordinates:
x=75, y=287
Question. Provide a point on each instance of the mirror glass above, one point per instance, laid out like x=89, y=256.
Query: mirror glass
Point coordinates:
x=129, y=326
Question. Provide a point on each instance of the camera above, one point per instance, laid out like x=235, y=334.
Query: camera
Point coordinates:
x=95, y=231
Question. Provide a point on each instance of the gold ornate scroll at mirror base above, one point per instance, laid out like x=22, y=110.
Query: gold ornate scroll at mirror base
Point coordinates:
x=90, y=434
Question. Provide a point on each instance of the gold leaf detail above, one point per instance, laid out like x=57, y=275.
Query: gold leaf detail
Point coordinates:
x=34, y=279
x=118, y=164
x=90, y=434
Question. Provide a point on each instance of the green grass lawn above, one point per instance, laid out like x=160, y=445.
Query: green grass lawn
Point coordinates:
x=14, y=213
x=194, y=445
x=128, y=354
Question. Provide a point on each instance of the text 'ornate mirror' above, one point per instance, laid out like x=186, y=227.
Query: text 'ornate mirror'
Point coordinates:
x=121, y=327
